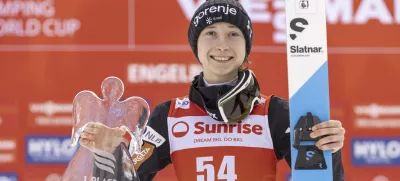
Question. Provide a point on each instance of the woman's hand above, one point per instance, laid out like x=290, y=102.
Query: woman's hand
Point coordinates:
x=99, y=136
x=334, y=133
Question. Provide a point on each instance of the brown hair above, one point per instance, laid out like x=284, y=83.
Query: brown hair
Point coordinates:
x=245, y=65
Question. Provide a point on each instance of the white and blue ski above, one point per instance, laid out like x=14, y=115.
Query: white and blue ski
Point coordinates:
x=307, y=59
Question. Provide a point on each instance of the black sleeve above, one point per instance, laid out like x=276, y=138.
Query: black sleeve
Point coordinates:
x=279, y=122
x=155, y=154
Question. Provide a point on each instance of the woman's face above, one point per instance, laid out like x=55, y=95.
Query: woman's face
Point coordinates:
x=221, y=50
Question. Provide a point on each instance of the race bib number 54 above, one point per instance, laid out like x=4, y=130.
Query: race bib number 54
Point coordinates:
x=206, y=170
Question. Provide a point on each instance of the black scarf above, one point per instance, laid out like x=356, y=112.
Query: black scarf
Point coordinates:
x=207, y=97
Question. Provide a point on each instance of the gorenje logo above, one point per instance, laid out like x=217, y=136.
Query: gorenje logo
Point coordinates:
x=376, y=151
x=201, y=127
x=214, y=9
x=294, y=27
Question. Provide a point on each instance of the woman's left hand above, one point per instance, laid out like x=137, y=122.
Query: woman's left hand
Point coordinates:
x=334, y=133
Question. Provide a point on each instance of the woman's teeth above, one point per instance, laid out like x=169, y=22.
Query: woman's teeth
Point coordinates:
x=221, y=58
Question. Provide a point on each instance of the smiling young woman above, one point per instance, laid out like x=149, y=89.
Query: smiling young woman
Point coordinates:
x=224, y=129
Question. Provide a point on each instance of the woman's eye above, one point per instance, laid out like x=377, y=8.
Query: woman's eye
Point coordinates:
x=235, y=34
x=211, y=33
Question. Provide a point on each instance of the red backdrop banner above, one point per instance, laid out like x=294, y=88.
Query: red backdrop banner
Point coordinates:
x=52, y=49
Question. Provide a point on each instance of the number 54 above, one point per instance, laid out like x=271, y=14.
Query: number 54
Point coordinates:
x=228, y=165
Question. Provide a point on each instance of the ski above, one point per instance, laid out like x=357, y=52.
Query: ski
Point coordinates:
x=307, y=59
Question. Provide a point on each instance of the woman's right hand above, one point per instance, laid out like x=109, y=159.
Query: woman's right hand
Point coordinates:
x=99, y=136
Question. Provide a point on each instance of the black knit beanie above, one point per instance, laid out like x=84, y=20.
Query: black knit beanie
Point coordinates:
x=213, y=11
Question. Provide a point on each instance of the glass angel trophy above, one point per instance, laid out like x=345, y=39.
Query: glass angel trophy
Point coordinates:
x=106, y=158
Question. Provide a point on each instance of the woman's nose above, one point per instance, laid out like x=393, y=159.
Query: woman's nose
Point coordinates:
x=222, y=46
